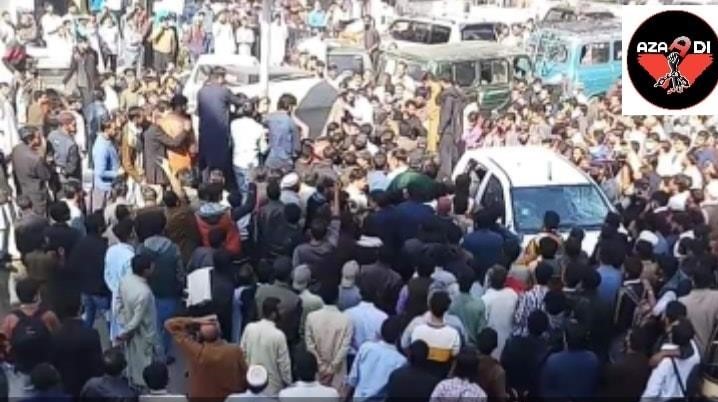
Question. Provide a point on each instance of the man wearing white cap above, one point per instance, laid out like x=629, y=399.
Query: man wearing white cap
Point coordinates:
x=290, y=190
x=257, y=380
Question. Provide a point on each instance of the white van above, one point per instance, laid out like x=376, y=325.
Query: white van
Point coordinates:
x=441, y=30
x=525, y=182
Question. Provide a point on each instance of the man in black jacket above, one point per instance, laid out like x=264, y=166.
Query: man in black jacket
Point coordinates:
x=87, y=263
x=76, y=349
x=84, y=68
x=413, y=381
x=31, y=171
x=523, y=355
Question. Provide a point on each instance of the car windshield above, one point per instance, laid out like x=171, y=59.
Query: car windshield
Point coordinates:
x=244, y=75
x=236, y=76
x=577, y=205
x=346, y=62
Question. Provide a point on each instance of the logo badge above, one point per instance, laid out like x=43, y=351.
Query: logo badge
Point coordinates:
x=670, y=60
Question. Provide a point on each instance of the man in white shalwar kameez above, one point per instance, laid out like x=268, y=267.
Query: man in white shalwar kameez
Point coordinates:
x=139, y=317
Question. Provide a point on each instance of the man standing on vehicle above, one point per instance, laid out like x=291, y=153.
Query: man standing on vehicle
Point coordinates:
x=84, y=68
x=372, y=39
x=213, y=102
x=450, y=124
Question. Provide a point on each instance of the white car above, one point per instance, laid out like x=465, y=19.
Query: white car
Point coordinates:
x=525, y=182
x=442, y=30
x=243, y=76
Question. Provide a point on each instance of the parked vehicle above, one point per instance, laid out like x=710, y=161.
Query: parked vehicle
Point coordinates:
x=348, y=57
x=567, y=14
x=525, y=182
x=242, y=75
x=442, y=30
x=578, y=54
x=484, y=70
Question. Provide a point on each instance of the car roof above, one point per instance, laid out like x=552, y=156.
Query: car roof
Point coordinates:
x=594, y=29
x=227, y=60
x=528, y=166
x=469, y=50
x=246, y=64
x=344, y=47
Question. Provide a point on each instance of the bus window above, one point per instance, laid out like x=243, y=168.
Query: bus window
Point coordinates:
x=440, y=34
x=522, y=67
x=478, y=32
x=617, y=50
x=595, y=53
x=465, y=73
x=499, y=72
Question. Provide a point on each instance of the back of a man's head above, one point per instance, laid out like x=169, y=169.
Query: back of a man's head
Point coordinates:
x=113, y=362
x=391, y=330
x=576, y=336
x=682, y=333
x=27, y=290
x=439, y=303
x=156, y=376
x=44, y=377
x=418, y=353
x=318, y=229
x=305, y=366
x=123, y=230
x=282, y=269
x=537, y=323
x=488, y=341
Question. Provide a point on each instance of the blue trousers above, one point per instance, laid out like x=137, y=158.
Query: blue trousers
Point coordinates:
x=166, y=309
x=93, y=305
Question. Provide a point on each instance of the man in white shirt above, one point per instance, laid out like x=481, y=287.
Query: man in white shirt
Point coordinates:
x=265, y=344
x=223, y=33
x=245, y=38
x=307, y=386
x=50, y=23
x=356, y=189
x=249, y=140
x=670, y=378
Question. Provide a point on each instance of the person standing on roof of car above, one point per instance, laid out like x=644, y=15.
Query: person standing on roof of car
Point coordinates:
x=223, y=36
x=213, y=102
x=84, y=68
x=451, y=118
x=372, y=39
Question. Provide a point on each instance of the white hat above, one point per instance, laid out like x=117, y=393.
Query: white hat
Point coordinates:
x=290, y=180
x=349, y=273
x=256, y=376
x=649, y=237
x=301, y=277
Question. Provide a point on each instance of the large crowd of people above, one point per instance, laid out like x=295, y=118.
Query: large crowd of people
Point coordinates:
x=272, y=261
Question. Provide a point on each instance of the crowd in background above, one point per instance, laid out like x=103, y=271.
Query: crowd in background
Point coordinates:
x=273, y=261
